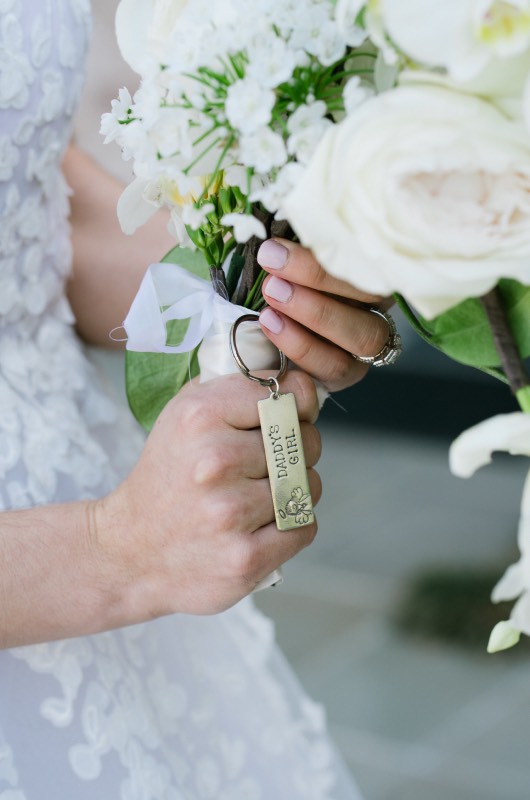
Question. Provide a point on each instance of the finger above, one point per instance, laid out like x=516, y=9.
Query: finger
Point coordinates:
x=298, y=264
x=247, y=506
x=356, y=330
x=233, y=400
x=237, y=454
x=255, y=555
x=272, y=547
x=331, y=365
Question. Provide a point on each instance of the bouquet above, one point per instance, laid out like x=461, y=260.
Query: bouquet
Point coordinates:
x=393, y=139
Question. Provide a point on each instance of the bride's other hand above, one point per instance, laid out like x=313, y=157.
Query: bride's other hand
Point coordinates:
x=318, y=321
x=192, y=528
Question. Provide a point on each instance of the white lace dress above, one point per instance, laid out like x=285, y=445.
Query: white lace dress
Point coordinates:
x=183, y=708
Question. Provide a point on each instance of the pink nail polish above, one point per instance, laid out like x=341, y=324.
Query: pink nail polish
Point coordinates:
x=278, y=289
x=272, y=255
x=271, y=320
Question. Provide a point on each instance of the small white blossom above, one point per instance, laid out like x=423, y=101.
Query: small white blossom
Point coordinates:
x=245, y=226
x=304, y=143
x=112, y=122
x=306, y=125
x=249, y=105
x=195, y=217
x=263, y=150
x=271, y=62
x=273, y=193
x=354, y=94
x=306, y=116
x=346, y=13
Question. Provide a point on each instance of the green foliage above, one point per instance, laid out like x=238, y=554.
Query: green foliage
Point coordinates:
x=464, y=334
x=152, y=379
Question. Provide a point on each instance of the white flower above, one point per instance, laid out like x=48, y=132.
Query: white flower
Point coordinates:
x=273, y=193
x=460, y=35
x=346, y=13
x=245, y=226
x=420, y=190
x=473, y=448
x=318, y=34
x=511, y=433
x=112, y=122
x=306, y=126
x=271, y=61
x=143, y=29
x=503, y=636
x=354, y=93
x=306, y=116
x=133, y=208
x=263, y=150
x=249, y=105
x=195, y=217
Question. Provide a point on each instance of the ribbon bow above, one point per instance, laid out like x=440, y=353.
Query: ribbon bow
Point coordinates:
x=182, y=295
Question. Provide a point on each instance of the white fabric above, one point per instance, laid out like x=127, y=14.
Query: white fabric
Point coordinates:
x=183, y=708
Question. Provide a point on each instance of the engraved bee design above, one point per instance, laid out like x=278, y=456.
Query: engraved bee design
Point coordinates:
x=299, y=506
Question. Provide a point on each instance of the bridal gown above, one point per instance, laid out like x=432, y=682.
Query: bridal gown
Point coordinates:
x=182, y=708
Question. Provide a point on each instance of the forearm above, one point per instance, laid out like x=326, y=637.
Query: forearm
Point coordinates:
x=56, y=579
x=108, y=265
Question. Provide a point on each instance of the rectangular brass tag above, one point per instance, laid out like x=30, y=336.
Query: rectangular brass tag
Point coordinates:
x=286, y=462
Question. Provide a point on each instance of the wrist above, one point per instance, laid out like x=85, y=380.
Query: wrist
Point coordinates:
x=132, y=588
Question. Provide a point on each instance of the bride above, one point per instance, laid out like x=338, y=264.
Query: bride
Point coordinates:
x=132, y=664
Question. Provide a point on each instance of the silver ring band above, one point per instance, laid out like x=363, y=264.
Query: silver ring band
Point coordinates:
x=392, y=349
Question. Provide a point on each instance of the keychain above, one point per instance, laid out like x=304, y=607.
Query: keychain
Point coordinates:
x=282, y=439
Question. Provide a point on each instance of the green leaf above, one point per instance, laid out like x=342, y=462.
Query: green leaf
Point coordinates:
x=192, y=260
x=463, y=333
x=152, y=379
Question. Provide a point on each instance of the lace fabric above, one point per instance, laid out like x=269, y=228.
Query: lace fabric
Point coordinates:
x=182, y=708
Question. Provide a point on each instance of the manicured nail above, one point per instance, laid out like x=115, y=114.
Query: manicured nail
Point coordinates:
x=278, y=289
x=271, y=320
x=272, y=255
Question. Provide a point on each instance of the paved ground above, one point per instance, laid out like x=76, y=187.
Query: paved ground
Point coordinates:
x=417, y=719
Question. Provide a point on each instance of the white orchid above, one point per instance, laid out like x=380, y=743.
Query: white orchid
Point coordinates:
x=471, y=450
x=463, y=36
x=143, y=29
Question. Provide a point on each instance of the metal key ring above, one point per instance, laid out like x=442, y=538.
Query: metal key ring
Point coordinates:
x=268, y=382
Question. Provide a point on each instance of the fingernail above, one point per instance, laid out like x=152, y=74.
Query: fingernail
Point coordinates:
x=272, y=254
x=271, y=320
x=278, y=289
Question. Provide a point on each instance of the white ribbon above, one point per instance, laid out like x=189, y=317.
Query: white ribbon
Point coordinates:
x=183, y=296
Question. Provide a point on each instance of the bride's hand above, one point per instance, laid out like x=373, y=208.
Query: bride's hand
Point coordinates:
x=318, y=321
x=191, y=529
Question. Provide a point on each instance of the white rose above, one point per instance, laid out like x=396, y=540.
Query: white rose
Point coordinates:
x=421, y=190
x=144, y=27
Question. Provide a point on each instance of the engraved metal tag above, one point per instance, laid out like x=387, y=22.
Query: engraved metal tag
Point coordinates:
x=293, y=506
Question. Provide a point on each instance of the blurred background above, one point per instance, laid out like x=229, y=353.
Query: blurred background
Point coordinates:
x=387, y=616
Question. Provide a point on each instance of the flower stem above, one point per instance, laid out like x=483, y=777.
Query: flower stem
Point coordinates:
x=506, y=345
x=523, y=398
